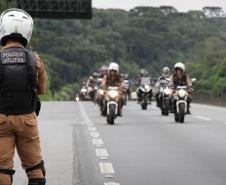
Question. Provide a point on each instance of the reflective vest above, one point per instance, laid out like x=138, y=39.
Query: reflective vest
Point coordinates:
x=18, y=81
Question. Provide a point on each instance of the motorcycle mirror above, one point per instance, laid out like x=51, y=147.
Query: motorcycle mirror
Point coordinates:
x=194, y=80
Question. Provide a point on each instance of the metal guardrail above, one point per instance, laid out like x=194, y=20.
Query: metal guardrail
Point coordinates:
x=209, y=98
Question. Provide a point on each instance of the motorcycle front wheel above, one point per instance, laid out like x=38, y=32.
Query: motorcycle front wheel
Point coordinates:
x=111, y=115
x=181, y=113
x=144, y=104
x=165, y=111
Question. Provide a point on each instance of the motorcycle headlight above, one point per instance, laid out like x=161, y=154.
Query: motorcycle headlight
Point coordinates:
x=101, y=91
x=147, y=87
x=167, y=91
x=113, y=94
x=77, y=98
x=182, y=93
x=83, y=90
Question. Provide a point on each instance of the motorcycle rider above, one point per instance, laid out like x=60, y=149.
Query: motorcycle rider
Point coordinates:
x=113, y=79
x=165, y=75
x=22, y=77
x=126, y=83
x=91, y=84
x=103, y=71
x=180, y=78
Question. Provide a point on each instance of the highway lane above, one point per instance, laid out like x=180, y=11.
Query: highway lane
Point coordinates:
x=142, y=148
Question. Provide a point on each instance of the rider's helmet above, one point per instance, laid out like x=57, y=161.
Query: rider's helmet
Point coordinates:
x=143, y=73
x=16, y=24
x=95, y=75
x=166, y=72
x=103, y=68
x=126, y=77
x=179, y=65
x=113, y=67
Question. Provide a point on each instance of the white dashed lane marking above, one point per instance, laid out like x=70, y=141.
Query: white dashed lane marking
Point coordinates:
x=92, y=129
x=89, y=124
x=94, y=134
x=102, y=153
x=106, y=168
x=98, y=142
x=202, y=118
x=111, y=183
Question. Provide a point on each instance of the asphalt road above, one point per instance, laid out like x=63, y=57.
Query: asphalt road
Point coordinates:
x=142, y=148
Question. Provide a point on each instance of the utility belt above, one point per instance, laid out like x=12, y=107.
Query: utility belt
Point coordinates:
x=17, y=103
x=17, y=111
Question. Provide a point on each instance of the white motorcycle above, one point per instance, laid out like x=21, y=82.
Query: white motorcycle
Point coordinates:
x=112, y=104
x=83, y=94
x=181, y=104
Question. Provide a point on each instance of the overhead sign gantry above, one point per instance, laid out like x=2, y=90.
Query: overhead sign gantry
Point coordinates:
x=55, y=9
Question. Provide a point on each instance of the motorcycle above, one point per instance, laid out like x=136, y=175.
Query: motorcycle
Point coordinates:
x=126, y=87
x=145, y=93
x=165, y=97
x=83, y=94
x=91, y=91
x=180, y=103
x=112, y=104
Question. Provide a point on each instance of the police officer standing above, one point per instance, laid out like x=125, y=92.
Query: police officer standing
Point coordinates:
x=22, y=78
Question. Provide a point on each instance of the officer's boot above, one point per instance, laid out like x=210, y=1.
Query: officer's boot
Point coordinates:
x=36, y=174
x=6, y=176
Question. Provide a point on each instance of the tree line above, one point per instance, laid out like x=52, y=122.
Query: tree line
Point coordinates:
x=144, y=37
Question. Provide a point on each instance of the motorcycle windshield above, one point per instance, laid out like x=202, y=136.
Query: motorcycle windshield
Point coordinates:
x=145, y=81
x=164, y=83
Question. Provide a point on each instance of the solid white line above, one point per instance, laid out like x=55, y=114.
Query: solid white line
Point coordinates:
x=94, y=134
x=98, y=142
x=106, y=168
x=203, y=118
x=92, y=129
x=102, y=153
x=111, y=183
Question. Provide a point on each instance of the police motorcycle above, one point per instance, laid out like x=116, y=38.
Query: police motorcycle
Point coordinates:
x=127, y=91
x=145, y=92
x=112, y=104
x=83, y=94
x=180, y=99
x=91, y=91
x=164, y=97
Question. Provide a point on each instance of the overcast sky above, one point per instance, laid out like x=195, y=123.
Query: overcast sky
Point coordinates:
x=180, y=5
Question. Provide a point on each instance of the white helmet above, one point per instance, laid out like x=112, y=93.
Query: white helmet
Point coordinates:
x=16, y=23
x=180, y=66
x=166, y=71
x=113, y=66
